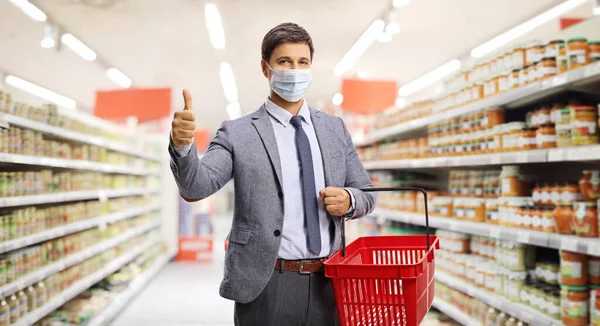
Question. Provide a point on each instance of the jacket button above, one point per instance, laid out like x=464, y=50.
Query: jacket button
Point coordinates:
x=276, y=233
x=280, y=195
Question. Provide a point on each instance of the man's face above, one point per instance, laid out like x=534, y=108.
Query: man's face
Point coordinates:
x=288, y=56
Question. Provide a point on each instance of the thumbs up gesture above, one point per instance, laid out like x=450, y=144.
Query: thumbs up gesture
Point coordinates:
x=183, y=126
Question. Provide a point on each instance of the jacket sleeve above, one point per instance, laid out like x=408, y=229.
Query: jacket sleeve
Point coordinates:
x=356, y=178
x=200, y=178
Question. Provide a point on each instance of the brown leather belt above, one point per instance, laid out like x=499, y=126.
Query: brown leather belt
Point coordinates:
x=300, y=266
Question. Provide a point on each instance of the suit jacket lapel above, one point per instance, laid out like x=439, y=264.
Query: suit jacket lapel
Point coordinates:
x=262, y=123
x=323, y=136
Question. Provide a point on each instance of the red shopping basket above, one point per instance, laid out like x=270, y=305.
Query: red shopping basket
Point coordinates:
x=384, y=280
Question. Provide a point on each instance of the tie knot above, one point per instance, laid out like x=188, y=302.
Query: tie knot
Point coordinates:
x=296, y=121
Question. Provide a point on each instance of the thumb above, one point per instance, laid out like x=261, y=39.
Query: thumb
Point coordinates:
x=187, y=100
x=322, y=194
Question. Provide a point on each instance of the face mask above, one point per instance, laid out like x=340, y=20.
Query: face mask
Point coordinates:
x=290, y=84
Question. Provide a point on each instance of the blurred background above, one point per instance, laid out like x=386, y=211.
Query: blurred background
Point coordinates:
x=491, y=106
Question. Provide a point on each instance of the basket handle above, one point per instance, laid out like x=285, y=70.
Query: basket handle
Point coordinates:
x=375, y=189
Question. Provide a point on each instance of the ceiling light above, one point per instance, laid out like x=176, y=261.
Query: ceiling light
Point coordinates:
x=400, y=3
x=214, y=26
x=118, y=77
x=359, y=48
x=596, y=7
x=384, y=37
x=30, y=10
x=233, y=110
x=228, y=82
x=392, y=28
x=41, y=92
x=430, y=78
x=401, y=102
x=523, y=28
x=78, y=47
x=338, y=98
x=48, y=40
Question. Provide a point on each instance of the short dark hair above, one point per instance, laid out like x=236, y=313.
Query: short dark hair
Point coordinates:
x=286, y=32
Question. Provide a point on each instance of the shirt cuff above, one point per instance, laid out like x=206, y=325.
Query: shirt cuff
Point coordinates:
x=350, y=211
x=180, y=152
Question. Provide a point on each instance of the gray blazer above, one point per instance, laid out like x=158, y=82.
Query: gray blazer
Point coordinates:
x=246, y=150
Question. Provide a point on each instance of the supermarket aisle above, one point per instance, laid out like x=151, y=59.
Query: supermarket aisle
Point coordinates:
x=184, y=294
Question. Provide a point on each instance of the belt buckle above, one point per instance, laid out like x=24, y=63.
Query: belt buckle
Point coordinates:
x=301, y=269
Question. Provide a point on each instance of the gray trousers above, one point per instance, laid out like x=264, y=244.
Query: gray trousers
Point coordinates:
x=291, y=299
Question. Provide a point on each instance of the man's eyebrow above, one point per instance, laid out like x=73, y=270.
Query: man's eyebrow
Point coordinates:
x=284, y=57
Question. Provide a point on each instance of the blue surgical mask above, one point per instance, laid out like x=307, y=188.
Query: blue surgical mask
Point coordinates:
x=290, y=84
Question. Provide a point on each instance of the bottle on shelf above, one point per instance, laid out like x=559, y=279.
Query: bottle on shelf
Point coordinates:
x=13, y=303
x=23, y=304
x=4, y=313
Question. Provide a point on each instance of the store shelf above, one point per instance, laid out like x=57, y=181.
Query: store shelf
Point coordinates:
x=74, y=136
x=120, y=302
x=74, y=228
x=82, y=285
x=517, y=310
x=72, y=260
x=590, y=246
x=61, y=197
x=4, y=124
x=512, y=98
x=70, y=164
x=455, y=313
x=571, y=154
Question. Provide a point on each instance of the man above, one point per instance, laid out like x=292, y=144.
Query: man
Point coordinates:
x=296, y=175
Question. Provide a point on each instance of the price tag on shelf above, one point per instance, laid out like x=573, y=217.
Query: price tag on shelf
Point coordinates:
x=522, y=157
x=559, y=80
x=582, y=154
x=569, y=244
x=556, y=155
x=593, y=248
x=102, y=196
x=592, y=69
x=495, y=232
x=496, y=159
x=523, y=236
x=453, y=226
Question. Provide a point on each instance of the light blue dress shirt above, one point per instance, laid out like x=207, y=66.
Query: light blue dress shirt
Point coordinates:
x=293, y=236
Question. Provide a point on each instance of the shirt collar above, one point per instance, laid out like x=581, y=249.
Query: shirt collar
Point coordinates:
x=283, y=116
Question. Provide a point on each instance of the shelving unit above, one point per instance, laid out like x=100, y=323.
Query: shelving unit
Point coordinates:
x=121, y=301
x=516, y=97
x=75, y=227
x=455, y=313
x=70, y=164
x=520, y=311
x=61, y=197
x=570, y=154
x=74, y=136
x=589, y=246
x=72, y=260
x=82, y=285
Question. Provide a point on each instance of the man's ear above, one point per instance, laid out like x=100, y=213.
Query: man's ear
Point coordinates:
x=265, y=68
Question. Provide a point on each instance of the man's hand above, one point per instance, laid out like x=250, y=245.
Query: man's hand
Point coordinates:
x=337, y=200
x=183, y=126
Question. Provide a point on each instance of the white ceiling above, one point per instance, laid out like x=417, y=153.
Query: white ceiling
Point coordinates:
x=164, y=43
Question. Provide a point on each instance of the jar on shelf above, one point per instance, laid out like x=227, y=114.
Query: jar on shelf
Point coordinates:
x=569, y=194
x=575, y=302
x=524, y=76
x=513, y=183
x=562, y=60
x=563, y=215
x=527, y=139
x=491, y=211
x=594, y=270
x=584, y=129
x=475, y=209
x=518, y=57
x=578, y=52
x=589, y=185
x=548, y=222
x=585, y=219
x=510, y=136
x=573, y=268
x=533, y=72
x=545, y=136
x=594, y=51
x=442, y=206
x=536, y=194
x=503, y=82
x=513, y=79
x=459, y=208
x=563, y=128
x=552, y=48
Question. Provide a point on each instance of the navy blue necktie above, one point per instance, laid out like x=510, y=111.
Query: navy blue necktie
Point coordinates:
x=309, y=192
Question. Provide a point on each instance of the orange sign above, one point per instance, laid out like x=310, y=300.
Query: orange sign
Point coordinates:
x=195, y=249
x=368, y=96
x=145, y=104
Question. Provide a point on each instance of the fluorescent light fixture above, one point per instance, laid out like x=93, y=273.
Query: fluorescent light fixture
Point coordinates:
x=429, y=78
x=596, y=7
x=338, y=98
x=525, y=27
x=118, y=77
x=401, y=102
x=228, y=82
x=30, y=10
x=47, y=43
x=214, y=25
x=400, y=3
x=393, y=28
x=41, y=92
x=233, y=110
x=359, y=48
x=78, y=47
x=384, y=37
